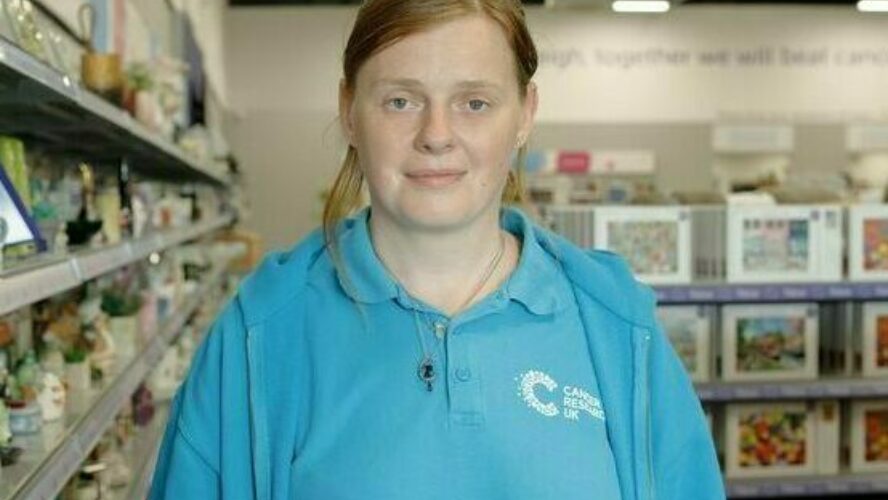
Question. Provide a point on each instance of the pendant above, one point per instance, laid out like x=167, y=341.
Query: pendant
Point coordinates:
x=426, y=373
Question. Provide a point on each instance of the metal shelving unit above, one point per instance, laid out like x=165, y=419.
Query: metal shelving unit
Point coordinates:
x=47, y=276
x=58, y=451
x=838, y=486
x=825, y=388
x=143, y=455
x=42, y=105
x=726, y=293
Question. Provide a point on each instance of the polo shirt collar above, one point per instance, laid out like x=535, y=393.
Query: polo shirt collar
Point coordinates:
x=537, y=282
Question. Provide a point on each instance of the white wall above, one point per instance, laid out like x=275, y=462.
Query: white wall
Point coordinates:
x=283, y=66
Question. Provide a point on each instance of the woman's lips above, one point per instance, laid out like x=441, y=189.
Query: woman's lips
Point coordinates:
x=435, y=178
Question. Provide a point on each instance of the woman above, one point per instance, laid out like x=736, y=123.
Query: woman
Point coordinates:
x=437, y=345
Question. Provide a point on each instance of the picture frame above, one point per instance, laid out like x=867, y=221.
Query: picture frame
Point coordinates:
x=689, y=329
x=16, y=223
x=873, y=343
x=784, y=243
x=766, y=342
x=654, y=240
x=868, y=242
x=782, y=439
x=869, y=436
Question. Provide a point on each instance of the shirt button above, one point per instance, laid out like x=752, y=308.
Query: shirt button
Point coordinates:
x=463, y=374
x=440, y=329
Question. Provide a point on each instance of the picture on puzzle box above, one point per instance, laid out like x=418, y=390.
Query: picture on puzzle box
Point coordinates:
x=876, y=436
x=875, y=244
x=881, y=351
x=773, y=437
x=768, y=343
x=775, y=244
x=650, y=247
x=682, y=333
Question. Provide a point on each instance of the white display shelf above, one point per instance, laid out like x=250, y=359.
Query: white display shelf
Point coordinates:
x=52, y=456
x=40, y=103
x=825, y=388
x=49, y=275
x=837, y=486
x=724, y=293
x=142, y=455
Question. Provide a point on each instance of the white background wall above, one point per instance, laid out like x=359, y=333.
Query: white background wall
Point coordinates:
x=283, y=67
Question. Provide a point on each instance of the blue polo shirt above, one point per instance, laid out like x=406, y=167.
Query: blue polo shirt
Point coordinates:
x=515, y=411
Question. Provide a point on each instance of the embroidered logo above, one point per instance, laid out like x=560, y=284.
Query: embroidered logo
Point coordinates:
x=573, y=399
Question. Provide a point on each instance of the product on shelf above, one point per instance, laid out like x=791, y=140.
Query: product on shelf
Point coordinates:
x=688, y=329
x=27, y=26
x=869, y=436
x=872, y=341
x=868, y=242
x=784, y=243
x=769, y=342
x=574, y=222
x=656, y=240
x=781, y=439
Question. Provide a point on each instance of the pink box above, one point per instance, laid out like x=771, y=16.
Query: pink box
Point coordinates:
x=573, y=162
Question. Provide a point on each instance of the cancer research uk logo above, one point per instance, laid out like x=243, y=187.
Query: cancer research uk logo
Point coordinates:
x=536, y=388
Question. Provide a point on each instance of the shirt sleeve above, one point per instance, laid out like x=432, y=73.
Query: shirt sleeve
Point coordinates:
x=685, y=465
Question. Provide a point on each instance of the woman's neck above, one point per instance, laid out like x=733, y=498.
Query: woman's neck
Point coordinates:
x=443, y=268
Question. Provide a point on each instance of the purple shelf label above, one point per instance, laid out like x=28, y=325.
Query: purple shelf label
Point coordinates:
x=702, y=294
x=841, y=292
x=747, y=293
x=795, y=293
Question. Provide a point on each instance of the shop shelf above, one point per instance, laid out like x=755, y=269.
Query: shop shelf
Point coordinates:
x=825, y=388
x=41, y=105
x=723, y=293
x=837, y=486
x=49, y=275
x=52, y=456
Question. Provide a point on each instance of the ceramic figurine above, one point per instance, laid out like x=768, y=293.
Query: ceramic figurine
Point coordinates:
x=52, y=398
x=96, y=332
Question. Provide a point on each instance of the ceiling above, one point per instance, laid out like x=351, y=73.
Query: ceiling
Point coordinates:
x=572, y=3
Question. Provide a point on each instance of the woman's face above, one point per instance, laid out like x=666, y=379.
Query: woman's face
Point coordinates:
x=435, y=119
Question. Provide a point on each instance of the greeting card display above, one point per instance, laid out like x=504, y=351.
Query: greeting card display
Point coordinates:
x=769, y=341
x=655, y=241
x=869, y=436
x=781, y=439
x=794, y=243
x=873, y=342
x=868, y=242
x=688, y=329
x=574, y=222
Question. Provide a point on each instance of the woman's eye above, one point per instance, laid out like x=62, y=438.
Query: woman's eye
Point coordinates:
x=477, y=105
x=398, y=103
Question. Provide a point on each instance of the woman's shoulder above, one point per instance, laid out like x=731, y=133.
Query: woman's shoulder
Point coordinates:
x=603, y=276
x=279, y=278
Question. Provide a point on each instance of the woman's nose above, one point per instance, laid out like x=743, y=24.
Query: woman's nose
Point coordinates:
x=436, y=135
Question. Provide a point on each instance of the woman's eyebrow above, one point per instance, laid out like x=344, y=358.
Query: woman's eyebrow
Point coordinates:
x=415, y=84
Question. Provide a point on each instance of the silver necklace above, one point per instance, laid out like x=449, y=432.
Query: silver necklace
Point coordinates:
x=426, y=367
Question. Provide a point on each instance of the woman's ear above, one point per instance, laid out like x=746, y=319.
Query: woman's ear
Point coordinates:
x=346, y=98
x=528, y=112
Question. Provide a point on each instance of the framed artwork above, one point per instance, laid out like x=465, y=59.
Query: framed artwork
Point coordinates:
x=655, y=241
x=769, y=342
x=688, y=329
x=869, y=436
x=868, y=242
x=781, y=439
x=874, y=339
x=784, y=243
x=16, y=223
